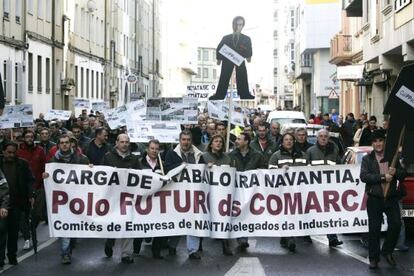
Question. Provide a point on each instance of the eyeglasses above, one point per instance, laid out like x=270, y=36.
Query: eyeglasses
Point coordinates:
x=66, y=142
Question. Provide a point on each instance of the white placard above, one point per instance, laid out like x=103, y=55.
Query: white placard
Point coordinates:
x=54, y=114
x=144, y=131
x=81, y=103
x=15, y=116
x=231, y=55
x=406, y=95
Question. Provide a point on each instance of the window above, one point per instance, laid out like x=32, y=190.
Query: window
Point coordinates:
x=275, y=16
x=292, y=20
x=292, y=51
x=275, y=53
x=214, y=73
x=205, y=55
x=39, y=9
x=92, y=84
x=76, y=82
x=205, y=72
x=30, y=6
x=97, y=84
x=275, y=34
x=6, y=9
x=82, y=26
x=48, y=11
x=39, y=74
x=19, y=82
x=82, y=82
x=30, y=72
x=275, y=89
x=199, y=54
x=102, y=86
x=47, y=75
x=198, y=72
x=18, y=10
x=87, y=83
x=275, y=71
x=5, y=76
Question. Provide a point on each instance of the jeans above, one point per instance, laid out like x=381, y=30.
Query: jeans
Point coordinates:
x=375, y=208
x=401, y=237
x=193, y=243
x=65, y=248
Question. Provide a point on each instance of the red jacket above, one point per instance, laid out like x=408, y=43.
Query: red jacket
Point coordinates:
x=37, y=159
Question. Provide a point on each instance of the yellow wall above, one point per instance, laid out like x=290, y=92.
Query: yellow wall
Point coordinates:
x=404, y=16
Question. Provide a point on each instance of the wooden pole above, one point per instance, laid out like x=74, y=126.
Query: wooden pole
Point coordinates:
x=230, y=101
x=386, y=185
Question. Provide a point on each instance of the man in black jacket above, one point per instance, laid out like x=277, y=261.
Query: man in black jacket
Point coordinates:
x=121, y=157
x=4, y=206
x=67, y=155
x=376, y=174
x=242, y=45
x=20, y=180
x=185, y=152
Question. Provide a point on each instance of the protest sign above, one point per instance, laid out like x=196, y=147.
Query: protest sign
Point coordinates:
x=144, y=131
x=99, y=106
x=81, y=103
x=231, y=55
x=116, y=117
x=54, y=114
x=108, y=202
x=183, y=110
x=200, y=91
x=15, y=116
x=220, y=110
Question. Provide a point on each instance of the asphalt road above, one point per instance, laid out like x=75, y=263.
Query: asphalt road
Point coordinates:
x=264, y=257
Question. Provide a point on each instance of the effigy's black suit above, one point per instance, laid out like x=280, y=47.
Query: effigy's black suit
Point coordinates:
x=242, y=45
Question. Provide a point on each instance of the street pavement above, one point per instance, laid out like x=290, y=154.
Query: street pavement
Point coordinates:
x=264, y=257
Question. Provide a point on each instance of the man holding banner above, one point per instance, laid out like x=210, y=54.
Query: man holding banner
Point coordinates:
x=185, y=152
x=66, y=154
x=376, y=173
x=121, y=157
x=325, y=152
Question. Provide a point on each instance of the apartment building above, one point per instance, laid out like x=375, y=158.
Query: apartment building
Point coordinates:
x=315, y=88
x=53, y=51
x=284, y=21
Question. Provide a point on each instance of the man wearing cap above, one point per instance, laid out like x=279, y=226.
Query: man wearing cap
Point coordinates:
x=376, y=174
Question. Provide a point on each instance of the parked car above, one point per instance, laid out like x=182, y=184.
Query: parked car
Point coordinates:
x=287, y=117
x=354, y=155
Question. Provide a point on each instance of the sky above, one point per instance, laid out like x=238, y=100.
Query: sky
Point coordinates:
x=212, y=19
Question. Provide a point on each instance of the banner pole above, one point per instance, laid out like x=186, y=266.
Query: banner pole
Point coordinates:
x=230, y=101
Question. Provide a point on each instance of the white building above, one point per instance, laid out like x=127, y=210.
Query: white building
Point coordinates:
x=284, y=22
x=315, y=87
x=179, y=49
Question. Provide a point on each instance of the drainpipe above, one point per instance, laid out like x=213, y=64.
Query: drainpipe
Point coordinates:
x=53, y=56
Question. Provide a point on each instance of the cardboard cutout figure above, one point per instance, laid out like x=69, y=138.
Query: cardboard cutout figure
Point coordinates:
x=400, y=107
x=242, y=46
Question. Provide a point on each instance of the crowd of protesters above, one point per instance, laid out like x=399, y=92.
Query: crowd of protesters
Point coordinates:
x=87, y=139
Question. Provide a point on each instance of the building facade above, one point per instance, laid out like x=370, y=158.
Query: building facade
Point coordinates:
x=53, y=51
x=284, y=22
x=315, y=88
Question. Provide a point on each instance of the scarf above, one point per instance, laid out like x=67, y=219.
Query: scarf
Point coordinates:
x=65, y=157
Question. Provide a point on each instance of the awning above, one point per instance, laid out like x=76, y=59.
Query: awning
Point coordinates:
x=350, y=72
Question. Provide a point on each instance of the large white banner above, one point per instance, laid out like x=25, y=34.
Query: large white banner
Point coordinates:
x=15, y=116
x=219, y=202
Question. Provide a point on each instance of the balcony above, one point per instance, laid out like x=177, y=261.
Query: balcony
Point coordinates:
x=341, y=49
x=305, y=69
x=353, y=8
